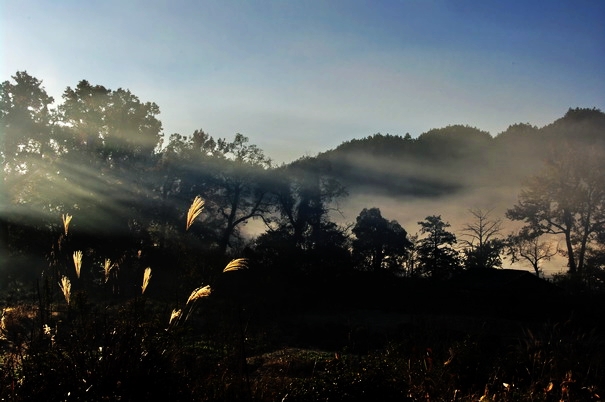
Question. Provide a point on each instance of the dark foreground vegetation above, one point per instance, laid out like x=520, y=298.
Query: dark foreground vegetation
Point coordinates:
x=127, y=273
x=349, y=337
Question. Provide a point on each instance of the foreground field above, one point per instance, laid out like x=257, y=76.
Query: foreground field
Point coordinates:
x=262, y=347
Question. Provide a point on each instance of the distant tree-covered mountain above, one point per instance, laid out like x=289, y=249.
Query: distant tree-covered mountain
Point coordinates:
x=457, y=157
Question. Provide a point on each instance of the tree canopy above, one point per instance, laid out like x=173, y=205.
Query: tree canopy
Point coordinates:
x=100, y=154
x=379, y=243
x=568, y=199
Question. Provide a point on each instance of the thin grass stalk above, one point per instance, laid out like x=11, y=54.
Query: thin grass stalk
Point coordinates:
x=146, y=278
x=239, y=264
x=196, y=294
x=78, y=262
x=194, y=211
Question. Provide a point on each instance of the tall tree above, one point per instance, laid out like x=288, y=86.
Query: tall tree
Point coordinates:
x=242, y=192
x=482, y=243
x=300, y=235
x=115, y=124
x=379, y=243
x=304, y=195
x=231, y=176
x=26, y=120
x=566, y=199
x=437, y=257
x=29, y=148
x=106, y=171
x=27, y=144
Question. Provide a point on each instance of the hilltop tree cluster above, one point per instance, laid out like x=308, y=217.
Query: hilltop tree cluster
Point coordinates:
x=101, y=156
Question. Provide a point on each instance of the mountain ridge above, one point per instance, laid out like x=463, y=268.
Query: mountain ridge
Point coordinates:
x=456, y=157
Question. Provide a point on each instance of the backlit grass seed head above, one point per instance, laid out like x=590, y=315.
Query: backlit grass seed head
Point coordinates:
x=202, y=291
x=194, y=211
x=107, y=266
x=175, y=315
x=78, y=262
x=66, y=219
x=65, y=286
x=146, y=278
x=236, y=265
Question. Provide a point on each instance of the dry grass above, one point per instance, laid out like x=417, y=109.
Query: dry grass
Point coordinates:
x=107, y=266
x=202, y=291
x=174, y=315
x=65, y=286
x=78, y=262
x=66, y=220
x=236, y=265
x=146, y=278
x=3, y=320
x=194, y=211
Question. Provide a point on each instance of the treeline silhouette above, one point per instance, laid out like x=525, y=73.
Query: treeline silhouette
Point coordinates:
x=100, y=155
x=95, y=174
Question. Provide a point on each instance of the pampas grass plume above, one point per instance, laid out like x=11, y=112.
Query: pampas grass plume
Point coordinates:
x=202, y=291
x=146, y=278
x=65, y=286
x=236, y=265
x=66, y=219
x=175, y=315
x=194, y=211
x=78, y=262
x=107, y=268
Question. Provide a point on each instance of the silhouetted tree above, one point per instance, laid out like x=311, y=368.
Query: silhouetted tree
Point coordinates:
x=437, y=257
x=114, y=124
x=410, y=262
x=526, y=246
x=242, y=187
x=303, y=194
x=187, y=168
x=379, y=243
x=231, y=176
x=29, y=150
x=26, y=121
x=568, y=199
x=483, y=245
x=108, y=164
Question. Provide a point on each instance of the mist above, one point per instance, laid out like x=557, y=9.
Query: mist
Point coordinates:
x=101, y=156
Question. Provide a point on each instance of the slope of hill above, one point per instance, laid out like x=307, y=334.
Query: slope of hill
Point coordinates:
x=457, y=158
x=450, y=170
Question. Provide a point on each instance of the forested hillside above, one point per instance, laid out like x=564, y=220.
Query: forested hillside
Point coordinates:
x=458, y=158
x=101, y=156
x=129, y=269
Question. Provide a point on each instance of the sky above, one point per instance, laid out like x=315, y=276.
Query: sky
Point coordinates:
x=301, y=77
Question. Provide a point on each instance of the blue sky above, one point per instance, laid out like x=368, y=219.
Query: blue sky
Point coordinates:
x=301, y=77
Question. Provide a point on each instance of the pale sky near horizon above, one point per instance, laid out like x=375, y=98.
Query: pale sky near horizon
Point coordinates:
x=301, y=77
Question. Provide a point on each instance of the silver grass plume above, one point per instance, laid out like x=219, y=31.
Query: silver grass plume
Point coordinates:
x=194, y=211
x=237, y=265
x=65, y=286
x=78, y=262
x=146, y=278
x=66, y=220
